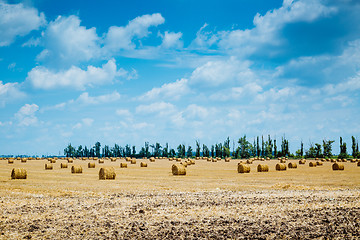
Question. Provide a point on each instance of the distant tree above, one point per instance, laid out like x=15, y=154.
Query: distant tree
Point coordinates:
x=86, y=152
x=226, y=148
x=212, y=150
x=301, y=149
x=257, y=147
x=69, y=151
x=206, y=152
x=189, y=152
x=355, y=148
x=179, y=151
x=172, y=153
x=97, y=149
x=343, y=153
x=318, y=152
x=157, y=150
x=262, y=146
x=311, y=153
x=197, y=153
x=275, y=149
x=133, y=153
x=127, y=151
x=244, y=147
x=165, y=152
x=146, y=149
x=327, y=148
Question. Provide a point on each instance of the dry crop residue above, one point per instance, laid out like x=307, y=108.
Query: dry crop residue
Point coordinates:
x=267, y=214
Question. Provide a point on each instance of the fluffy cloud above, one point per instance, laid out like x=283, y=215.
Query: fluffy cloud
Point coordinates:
x=215, y=73
x=18, y=20
x=172, y=91
x=41, y=77
x=172, y=40
x=26, y=115
x=161, y=108
x=85, y=122
x=84, y=98
x=67, y=43
x=9, y=91
x=267, y=27
x=121, y=38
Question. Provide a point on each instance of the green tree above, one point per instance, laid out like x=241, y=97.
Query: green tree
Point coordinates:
x=69, y=151
x=257, y=147
x=275, y=149
x=172, y=153
x=133, y=153
x=212, y=150
x=355, y=148
x=97, y=149
x=127, y=151
x=157, y=150
x=165, y=152
x=226, y=148
x=343, y=153
x=301, y=149
x=197, y=153
x=311, y=153
x=327, y=148
x=189, y=152
x=244, y=147
x=206, y=152
x=318, y=152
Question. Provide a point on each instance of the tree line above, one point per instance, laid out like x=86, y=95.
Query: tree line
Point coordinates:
x=259, y=147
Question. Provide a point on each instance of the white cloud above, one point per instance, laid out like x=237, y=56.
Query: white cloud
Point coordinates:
x=67, y=43
x=248, y=90
x=267, y=27
x=172, y=40
x=161, y=108
x=8, y=92
x=204, y=40
x=215, y=73
x=17, y=20
x=26, y=115
x=121, y=38
x=123, y=113
x=173, y=91
x=75, y=77
x=84, y=98
x=352, y=84
x=87, y=122
x=195, y=111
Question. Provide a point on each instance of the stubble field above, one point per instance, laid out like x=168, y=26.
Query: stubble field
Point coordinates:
x=212, y=201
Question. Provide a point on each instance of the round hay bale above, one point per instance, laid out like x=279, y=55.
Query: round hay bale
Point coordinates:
x=209, y=159
x=312, y=164
x=249, y=161
x=280, y=167
x=338, y=166
x=282, y=161
x=302, y=161
x=333, y=160
x=319, y=163
x=243, y=168
x=10, y=161
x=52, y=161
x=70, y=160
x=227, y=159
x=18, y=173
x=178, y=159
x=214, y=160
x=344, y=160
x=358, y=164
x=143, y=164
x=292, y=165
x=123, y=165
x=262, y=168
x=133, y=161
x=178, y=169
x=267, y=158
x=316, y=159
x=323, y=159
x=23, y=160
x=48, y=166
x=91, y=165
x=184, y=164
x=101, y=161
x=152, y=159
x=63, y=165
x=113, y=159
x=76, y=169
x=192, y=161
x=107, y=173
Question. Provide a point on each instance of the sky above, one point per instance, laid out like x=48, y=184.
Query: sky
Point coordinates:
x=177, y=71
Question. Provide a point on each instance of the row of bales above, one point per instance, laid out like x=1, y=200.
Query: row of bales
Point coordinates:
x=177, y=169
x=243, y=167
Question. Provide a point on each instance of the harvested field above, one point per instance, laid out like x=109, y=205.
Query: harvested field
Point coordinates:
x=212, y=201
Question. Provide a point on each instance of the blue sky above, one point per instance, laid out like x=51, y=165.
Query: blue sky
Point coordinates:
x=177, y=71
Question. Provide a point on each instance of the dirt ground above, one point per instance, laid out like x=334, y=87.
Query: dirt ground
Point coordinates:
x=212, y=201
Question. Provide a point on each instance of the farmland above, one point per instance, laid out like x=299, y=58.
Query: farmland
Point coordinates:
x=212, y=200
